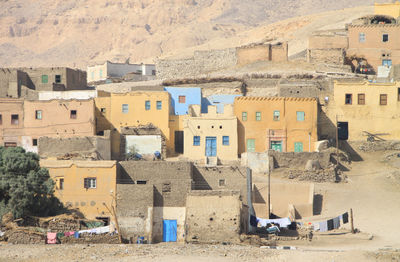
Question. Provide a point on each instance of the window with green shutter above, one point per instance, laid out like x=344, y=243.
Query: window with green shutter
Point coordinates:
x=258, y=116
x=45, y=79
x=244, y=116
x=298, y=147
x=251, y=145
x=300, y=115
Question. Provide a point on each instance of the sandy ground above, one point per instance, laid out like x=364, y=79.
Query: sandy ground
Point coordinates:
x=372, y=191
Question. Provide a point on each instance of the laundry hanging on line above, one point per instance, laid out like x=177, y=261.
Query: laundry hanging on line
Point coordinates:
x=283, y=222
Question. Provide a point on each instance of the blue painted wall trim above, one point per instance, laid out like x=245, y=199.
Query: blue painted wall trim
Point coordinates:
x=192, y=94
x=218, y=100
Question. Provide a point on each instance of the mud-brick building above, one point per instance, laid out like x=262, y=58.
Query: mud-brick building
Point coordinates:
x=362, y=108
x=11, y=121
x=23, y=82
x=56, y=78
x=57, y=118
x=210, y=137
x=375, y=41
x=85, y=185
x=279, y=123
x=23, y=122
x=174, y=201
x=151, y=192
x=328, y=47
x=116, y=111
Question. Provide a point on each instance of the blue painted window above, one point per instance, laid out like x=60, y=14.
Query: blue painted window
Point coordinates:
x=101, y=73
x=125, y=108
x=258, y=116
x=147, y=105
x=300, y=115
x=196, y=140
x=159, y=105
x=225, y=140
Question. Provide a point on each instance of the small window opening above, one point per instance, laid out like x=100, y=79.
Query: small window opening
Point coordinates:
x=166, y=187
x=58, y=79
x=348, y=99
x=34, y=142
x=14, y=119
x=141, y=182
x=73, y=114
x=182, y=99
x=90, y=182
x=61, y=184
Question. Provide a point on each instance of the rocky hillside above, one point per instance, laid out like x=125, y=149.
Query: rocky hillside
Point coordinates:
x=78, y=32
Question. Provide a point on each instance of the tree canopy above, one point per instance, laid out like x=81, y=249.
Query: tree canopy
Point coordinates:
x=25, y=187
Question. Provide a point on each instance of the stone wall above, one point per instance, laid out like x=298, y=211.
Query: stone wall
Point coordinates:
x=135, y=210
x=328, y=39
x=202, y=62
x=213, y=217
x=298, y=160
x=279, y=52
x=89, y=147
x=220, y=178
x=171, y=180
x=333, y=56
x=251, y=54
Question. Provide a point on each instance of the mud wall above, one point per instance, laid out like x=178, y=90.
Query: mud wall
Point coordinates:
x=213, y=217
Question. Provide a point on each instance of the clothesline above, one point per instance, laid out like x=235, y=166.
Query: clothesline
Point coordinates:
x=282, y=222
x=53, y=237
x=330, y=224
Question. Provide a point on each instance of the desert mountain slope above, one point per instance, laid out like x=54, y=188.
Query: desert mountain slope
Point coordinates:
x=78, y=32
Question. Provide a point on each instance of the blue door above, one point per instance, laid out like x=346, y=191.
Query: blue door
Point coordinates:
x=211, y=146
x=169, y=230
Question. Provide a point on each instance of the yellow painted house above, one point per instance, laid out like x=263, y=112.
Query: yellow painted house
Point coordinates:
x=210, y=134
x=117, y=110
x=390, y=9
x=279, y=123
x=85, y=185
x=366, y=107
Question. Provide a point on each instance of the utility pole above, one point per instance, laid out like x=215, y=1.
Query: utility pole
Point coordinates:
x=351, y=221
x=337, y=141
x=269, y=192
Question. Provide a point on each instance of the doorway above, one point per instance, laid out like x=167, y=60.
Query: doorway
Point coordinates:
x=211, y=146
x=169, y=230
x=179, y=142
x=276, y=145
x=343, y=130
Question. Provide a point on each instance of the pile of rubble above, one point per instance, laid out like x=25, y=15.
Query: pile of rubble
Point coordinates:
x=379, y=146
x=25, y=236
x=318, y=176
x=33, y=230
x=92, y=239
